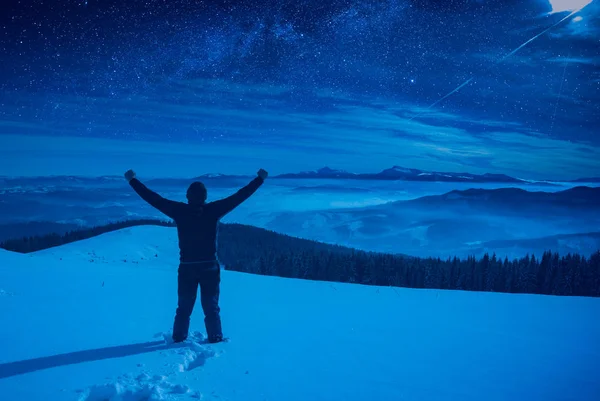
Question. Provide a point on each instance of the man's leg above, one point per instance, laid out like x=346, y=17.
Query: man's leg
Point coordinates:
x=209, y=296
x=187, y=290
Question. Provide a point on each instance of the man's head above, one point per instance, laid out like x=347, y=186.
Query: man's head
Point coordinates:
x=196, y=193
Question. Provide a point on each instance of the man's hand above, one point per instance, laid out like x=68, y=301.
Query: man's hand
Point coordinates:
x=262, y=174
x=129, y=175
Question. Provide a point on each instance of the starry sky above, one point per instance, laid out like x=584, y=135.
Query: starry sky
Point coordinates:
x=182, y=87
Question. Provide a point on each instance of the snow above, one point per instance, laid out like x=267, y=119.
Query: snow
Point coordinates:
x=403, y=170
x=90, y=321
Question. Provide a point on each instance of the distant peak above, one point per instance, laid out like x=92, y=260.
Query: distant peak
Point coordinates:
x=329, y=170
x=404, y=169
x=400, y=169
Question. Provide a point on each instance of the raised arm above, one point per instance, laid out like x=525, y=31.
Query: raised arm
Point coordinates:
x=226, y=205
x=165, y=206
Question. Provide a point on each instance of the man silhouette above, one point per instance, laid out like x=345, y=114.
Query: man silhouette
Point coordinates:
x=197, y=228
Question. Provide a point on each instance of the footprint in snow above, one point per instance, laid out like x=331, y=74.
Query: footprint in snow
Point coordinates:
x=142, y=387
x=194, y=357
x=194, y=353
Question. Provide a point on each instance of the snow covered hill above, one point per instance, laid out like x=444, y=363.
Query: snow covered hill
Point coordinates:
x=87, y=321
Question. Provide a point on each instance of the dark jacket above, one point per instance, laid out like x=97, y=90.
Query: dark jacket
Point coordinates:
x=197, y=225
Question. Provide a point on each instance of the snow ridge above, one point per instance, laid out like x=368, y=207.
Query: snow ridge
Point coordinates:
x=144, y=386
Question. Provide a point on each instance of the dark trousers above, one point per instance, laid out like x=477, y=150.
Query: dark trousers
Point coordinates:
x=189, y=277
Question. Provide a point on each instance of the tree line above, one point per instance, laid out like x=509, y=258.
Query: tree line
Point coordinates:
x=254, y=250
x=247, y=249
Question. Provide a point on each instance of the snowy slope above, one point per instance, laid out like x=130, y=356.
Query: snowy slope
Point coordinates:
x=79, y=323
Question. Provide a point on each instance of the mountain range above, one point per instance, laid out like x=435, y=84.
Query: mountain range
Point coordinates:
x=457, y=222
x=460, y=222
x=405, y=174
x=575, y=199
x=395, y=173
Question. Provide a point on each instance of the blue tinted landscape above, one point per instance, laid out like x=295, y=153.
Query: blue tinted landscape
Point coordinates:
x=299, y=200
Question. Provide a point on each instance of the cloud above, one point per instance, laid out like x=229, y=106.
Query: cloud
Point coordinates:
x=575, y=60
x=588, y=150
x=355, y=134
x=585, y=25
x=559, y=6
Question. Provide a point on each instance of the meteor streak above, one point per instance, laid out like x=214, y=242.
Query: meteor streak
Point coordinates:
x=507, y=56
x=538, y=35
